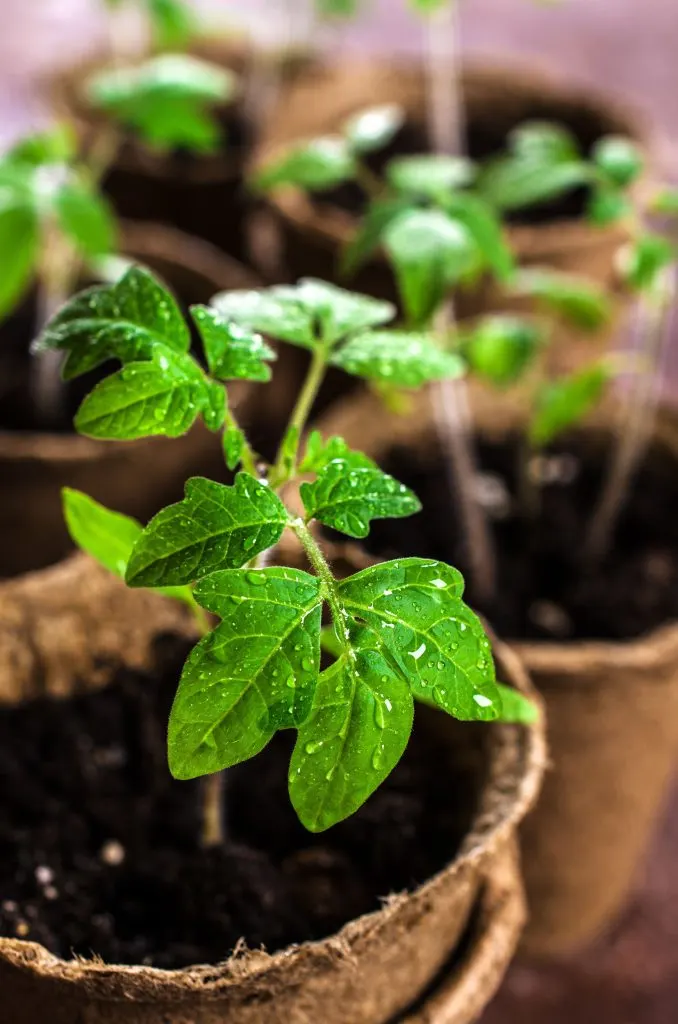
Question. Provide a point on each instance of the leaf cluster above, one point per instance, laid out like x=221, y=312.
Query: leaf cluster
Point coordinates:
x=44, y=189
x=402, y=631
x=168, y=101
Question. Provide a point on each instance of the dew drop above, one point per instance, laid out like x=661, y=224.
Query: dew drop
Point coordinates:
x=314, y=746
x=378, y=758
x=291, y=682
x=439, y=695
x=254, y=577
x=307, y=664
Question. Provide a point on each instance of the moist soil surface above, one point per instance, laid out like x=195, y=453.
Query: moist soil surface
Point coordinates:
x=546, y=589
x=100, y=852
x=487, y=137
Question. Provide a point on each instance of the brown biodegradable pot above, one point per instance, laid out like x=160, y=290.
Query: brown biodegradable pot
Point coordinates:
x=68, y=627
x=136, y=477
x=611, y=707
x=203, y=195
x=316, y=227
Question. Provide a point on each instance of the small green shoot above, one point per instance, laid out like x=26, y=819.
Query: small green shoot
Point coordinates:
x=169, y=101
x=402, y=629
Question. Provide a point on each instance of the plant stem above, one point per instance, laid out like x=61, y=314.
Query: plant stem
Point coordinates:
x=213, y=795
x=528, y=491
x=302, y=409
x=450, y=400
x=56, y=279
x=369, y=181
x=453, y=419
x=653, y=322
x=446, y=117
x=321, y=566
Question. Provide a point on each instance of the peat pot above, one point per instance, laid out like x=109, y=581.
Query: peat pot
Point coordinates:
x=601, y=648
x=74, y=640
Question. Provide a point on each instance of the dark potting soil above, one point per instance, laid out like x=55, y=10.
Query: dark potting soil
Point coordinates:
x=545, y=588
x=99, y=850
x=487, y=136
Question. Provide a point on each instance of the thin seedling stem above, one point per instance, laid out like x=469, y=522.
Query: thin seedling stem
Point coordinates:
x=653, y=316
x=447, y=132
x=446, y=115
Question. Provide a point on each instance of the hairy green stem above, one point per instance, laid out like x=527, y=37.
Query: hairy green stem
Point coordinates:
x=369, y=181
x=324, y=573
x=300, y=414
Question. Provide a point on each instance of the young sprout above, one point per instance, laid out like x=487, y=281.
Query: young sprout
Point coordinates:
x=544, y=162
x=510, y=351
x=53, y=220
x=168, y=102
x=172, y=23
x=402, y=630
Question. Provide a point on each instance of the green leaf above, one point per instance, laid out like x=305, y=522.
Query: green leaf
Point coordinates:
x=581, y=302
x=304, y=314
x=233, y=353
x=279, y=316
x=501, y=348
x=108, y=537
x=322, y=163
x=370, y=232
x=19, y=248
x=619, y=158
x=405, y=359
x=86, y=218
x=255, y=673
x=173, y=23
x=430, y=253
x=666, y=201
x=565, y=402
x=319, y=453
x=429, y=175
x=214, y=527
x=128, y=320
x=337, y=8
x=105, y=535
x=429, y=6
x=486, y=230
x=347, y=497
x=538, y=171
x=413, y=609
x=643, y=260
x=544, y=141
x=160, y=397
x=515, y=707
x=233, y=444
x=167, y=99
x=373, y=128
x=56, y=146
x=608, y=204
x=358, y=729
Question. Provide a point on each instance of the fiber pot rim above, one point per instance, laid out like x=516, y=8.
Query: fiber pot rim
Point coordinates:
x=143, y=240
x=517, y=758
x=656, y=646
x=333, y=226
